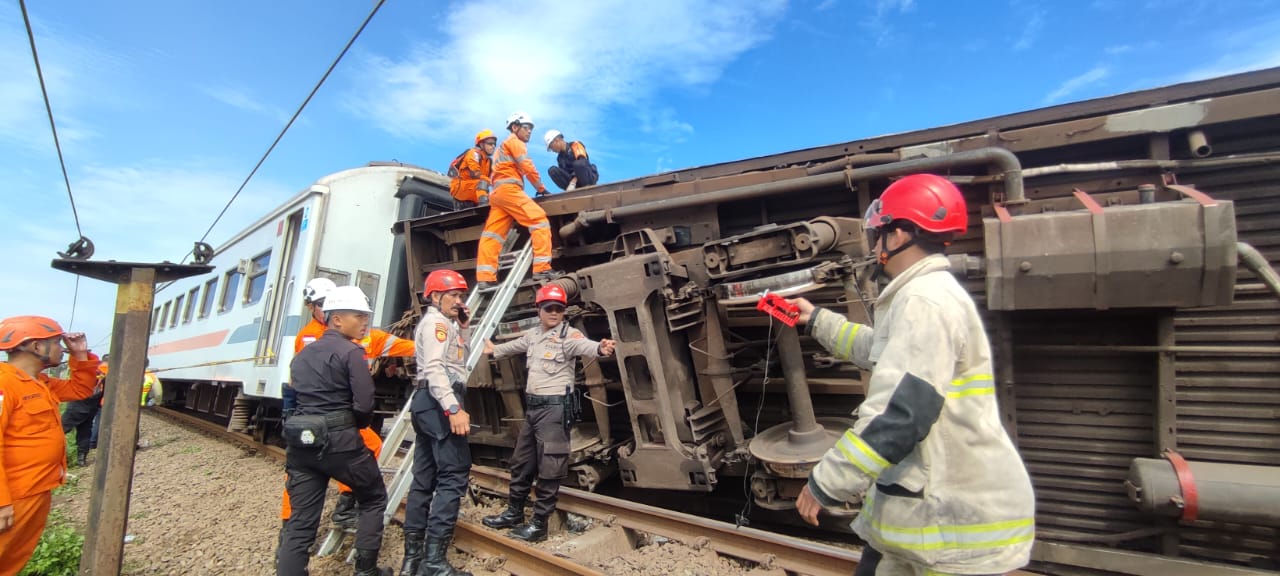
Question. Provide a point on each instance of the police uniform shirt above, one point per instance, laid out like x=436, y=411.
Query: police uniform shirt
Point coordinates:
x=441, y=356
x=330, y=375
x=551, y=357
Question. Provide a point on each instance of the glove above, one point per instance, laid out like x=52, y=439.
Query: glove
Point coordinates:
x=483, y=200
x=543, y=192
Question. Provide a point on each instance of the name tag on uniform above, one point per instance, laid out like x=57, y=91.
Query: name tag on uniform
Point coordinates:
x=548, y=355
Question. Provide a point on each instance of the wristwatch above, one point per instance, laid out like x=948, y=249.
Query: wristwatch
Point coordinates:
x=452, y=410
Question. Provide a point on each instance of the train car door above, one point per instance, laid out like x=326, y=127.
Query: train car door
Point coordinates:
x=274, y=317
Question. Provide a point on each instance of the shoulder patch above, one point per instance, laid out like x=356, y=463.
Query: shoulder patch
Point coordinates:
x=442, y=331
x=576, y=336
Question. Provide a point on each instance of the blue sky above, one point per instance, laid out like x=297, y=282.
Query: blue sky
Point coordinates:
x=163, y=107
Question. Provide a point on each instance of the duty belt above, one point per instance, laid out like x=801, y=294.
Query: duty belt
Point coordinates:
x=339, y=420
x=533, y=400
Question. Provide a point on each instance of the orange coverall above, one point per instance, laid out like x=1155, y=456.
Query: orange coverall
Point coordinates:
x=377, y=343
x=34, y=451
x=474, y=172
x=508, y=202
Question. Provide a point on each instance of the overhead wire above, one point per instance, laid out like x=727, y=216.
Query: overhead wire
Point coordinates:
x=57, y=144
x=296, y=113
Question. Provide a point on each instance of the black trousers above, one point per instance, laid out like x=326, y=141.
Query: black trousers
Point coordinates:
x=585, y=177
x=441, y=465
x=309, y=474
x=542, y=453
x=80, y=416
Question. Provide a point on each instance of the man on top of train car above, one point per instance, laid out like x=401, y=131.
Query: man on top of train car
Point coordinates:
x=334, y=399
x=508, y=202
x=376, y=343
x=472, y=171
x=542, y=450
x=946, y=492
x=574, y=167
x=33, y=450
x=442, y=456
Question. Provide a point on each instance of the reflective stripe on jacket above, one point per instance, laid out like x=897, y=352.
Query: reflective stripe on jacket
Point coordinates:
x=944, y=485
x=513, y=165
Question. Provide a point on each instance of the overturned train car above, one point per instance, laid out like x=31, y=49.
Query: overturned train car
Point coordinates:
x=1121, y=250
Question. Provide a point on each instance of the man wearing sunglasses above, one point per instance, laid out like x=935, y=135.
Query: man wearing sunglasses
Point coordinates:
x=945, y=490
x=542, y=450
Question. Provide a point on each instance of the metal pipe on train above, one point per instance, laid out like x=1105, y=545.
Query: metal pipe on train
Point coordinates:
x=1217, y=492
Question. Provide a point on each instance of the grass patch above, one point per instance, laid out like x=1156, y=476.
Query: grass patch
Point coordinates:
x=192, y=449
x=58, y=553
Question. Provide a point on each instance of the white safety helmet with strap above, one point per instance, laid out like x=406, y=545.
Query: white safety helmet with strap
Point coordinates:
x=317, y=289
x=551, y=136
x=346, y=298
x=519, y=117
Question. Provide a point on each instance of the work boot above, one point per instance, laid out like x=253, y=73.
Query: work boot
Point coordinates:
x=485, y=285
x=511, y=517
x=344, y=512
x=82, y=459
x=367, y=564
x=534, y=531
x=437, y=560
x=547, y=276
x=413, y=543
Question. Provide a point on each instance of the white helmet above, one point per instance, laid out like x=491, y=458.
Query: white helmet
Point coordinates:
x=317, y=289
x=347, y=298
x=550, y=137
x=519, y=117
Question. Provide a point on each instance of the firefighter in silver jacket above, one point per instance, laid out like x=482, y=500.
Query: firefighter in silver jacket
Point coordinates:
x=442, y=456
x=945, y=490
x=542, y=450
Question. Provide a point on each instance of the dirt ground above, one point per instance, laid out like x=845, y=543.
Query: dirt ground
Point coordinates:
x=204, y=507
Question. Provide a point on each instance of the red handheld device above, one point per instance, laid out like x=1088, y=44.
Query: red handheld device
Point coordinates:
x=779, y=308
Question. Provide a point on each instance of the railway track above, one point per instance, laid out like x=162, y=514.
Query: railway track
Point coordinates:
x=770, y=550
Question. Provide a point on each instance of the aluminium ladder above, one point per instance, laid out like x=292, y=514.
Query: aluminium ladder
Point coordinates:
x=488, y=307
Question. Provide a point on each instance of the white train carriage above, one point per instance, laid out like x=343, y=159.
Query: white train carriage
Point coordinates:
x=224, y=340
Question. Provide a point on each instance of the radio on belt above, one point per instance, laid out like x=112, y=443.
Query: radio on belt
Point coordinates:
x=774, y=305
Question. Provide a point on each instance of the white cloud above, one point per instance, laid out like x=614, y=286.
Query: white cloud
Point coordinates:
x=571, y=66
x=1250, y=48
x=1074, y=84
x=878, y=21
x=1030, y=31
x=1119, y=49
x=825, y=5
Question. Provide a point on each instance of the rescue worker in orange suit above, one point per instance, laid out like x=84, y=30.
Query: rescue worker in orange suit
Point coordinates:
x=471, y=172
x=335, y=398
x=945, y=490
x=376, y=344
x=508, y=202
x=574, y=168
x=32, y=446
x=80, y=416
x=441, y=454
x=542, y=450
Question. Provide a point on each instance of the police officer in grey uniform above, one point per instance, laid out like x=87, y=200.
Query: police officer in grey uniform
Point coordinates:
x=442, y=456
x=334, y=399
x=542, y=450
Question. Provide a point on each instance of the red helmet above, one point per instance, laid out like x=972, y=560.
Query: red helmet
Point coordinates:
x=444, y=281
x=551, y=293
x=18, y=329
x=931, y=202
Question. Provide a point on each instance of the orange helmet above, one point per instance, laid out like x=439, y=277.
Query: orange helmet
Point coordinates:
x=485, y=134
x=551, y=293
x=18, y=329
x=443, y=281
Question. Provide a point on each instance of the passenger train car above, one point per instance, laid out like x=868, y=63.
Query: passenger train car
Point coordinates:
x=224, y=340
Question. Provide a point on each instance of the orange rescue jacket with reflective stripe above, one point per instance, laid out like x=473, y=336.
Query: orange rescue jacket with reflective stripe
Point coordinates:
x=514, y=165
x=471, y=172
x=32, y=445
x=377, y=343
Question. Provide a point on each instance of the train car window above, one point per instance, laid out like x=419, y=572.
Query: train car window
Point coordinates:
x=258, y=278
x=368, y=283
x=164, y=314
x=339, y=277
x=177, y=311
x=230, y=286
x=155, y=320
x=191, y=305
x=206, y=306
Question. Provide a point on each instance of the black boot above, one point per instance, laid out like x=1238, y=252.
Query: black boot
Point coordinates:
x=413, y=543
x=367, y=564
x=344, y=512
x=437, y=560
x=534, y=531
x=511, y=517
x=82, y=459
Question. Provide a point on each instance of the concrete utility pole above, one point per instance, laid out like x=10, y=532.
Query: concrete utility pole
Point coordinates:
x=130, y=334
